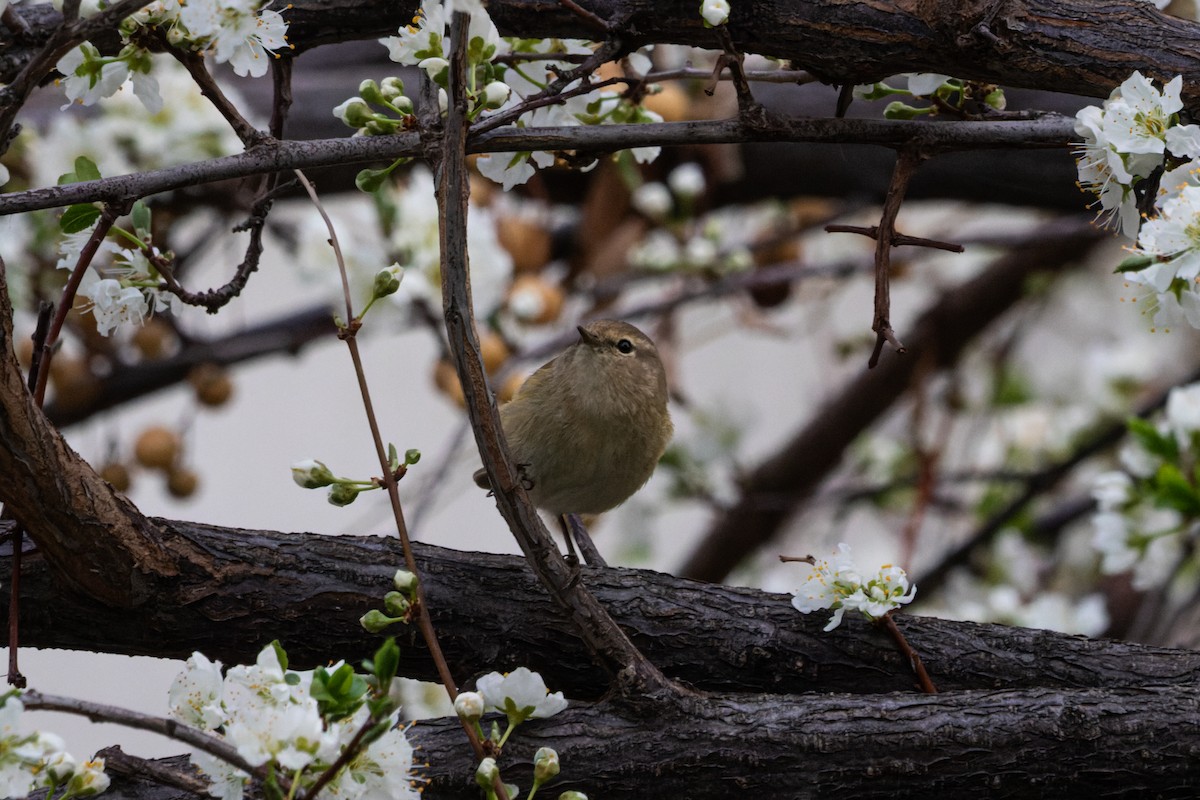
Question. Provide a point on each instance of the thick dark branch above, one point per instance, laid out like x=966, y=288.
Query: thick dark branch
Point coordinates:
x=996, y=744
x=268, y=585
x=1081, y=46
x=1051, y=131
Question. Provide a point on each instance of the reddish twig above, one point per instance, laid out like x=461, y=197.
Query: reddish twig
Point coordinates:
x=898, y=239
x=918, y=667
x=907, y=161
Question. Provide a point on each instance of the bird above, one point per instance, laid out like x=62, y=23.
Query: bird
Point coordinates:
x=587, y=429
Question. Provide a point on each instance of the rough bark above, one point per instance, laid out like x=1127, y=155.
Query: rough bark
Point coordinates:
x=307, y=590
x=1081, y=46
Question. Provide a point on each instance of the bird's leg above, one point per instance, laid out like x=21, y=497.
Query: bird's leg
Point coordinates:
x=573, y=527
x=571, y=557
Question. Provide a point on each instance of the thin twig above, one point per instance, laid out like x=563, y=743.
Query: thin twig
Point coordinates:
x=388, y=480
x=1050, y=131
x=907, y=160
x=108, y=217
x=898, y=239
x=170, y=728
x=918, y=667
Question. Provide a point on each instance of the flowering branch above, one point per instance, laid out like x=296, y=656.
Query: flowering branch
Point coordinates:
x=1050, y=130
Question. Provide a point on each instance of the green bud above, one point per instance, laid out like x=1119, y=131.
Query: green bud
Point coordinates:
x=899, y=110
x=341, y=494
x=311, y=474
x=354, y=112
x=572, y=795
x=495, y=94
x=387, y=280
x=545, y=765
x=392, y=88
x=369, y=90
x=412, y=456
x=403, y=104
x=996, y=99
x=375, y=621
x=487, y=773
x=404, y=581
x=396, y=604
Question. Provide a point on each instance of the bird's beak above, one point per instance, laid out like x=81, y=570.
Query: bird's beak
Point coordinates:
x=587, y=335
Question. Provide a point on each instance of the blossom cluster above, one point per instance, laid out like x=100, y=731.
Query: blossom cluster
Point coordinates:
x=239, y=32
x=1146, y=510
x=493, y=86
x=297, y=723
x=40, y=761
x=836, y=583
x=1142, y=165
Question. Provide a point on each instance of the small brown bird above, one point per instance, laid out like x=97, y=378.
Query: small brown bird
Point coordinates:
x=588, y=428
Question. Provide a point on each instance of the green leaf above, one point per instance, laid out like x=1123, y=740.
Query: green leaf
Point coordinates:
x=412, y=456
x=899, y=110
x=370, y=180
x=1159, y=444
x=281, y=654
x=1172, y=490
x=141, y=218
x=393, y=456
x=386, y=663
x=86, y=169
x=78, y=217
x=1135, y=263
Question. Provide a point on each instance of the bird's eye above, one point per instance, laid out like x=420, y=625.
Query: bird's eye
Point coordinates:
x=625, y=346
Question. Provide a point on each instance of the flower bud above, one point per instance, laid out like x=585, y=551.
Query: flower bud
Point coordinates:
x=354, y=112
x=687, y=180
x=391, y=88
x=572, y=795
x=469, y=705
x=495, y=94
x=341, y=494
x=653, y=200
x=545, y=765
x=369, y=91
x=404, y=581
x=487, y=773
x=715, y=12
x=396, y=604
x=387, y=280
x=311, y=474
x=375, y=621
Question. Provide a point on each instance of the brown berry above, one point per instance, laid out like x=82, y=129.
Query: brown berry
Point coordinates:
x=212, y=384
x=75, y=387
x=527, y=242
x=495, y=351
x=157, y=447
x=154, y=339
x=182, y=482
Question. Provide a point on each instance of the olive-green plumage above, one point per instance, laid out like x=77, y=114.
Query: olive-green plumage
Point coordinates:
x=588, y=428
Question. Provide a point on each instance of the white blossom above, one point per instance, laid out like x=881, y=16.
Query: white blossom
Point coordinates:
x=687, y=180
x=923, y=84
x=1173, y=237
x=195, y=695
x=520, y=694
x=836, y=583
x=715, y=12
